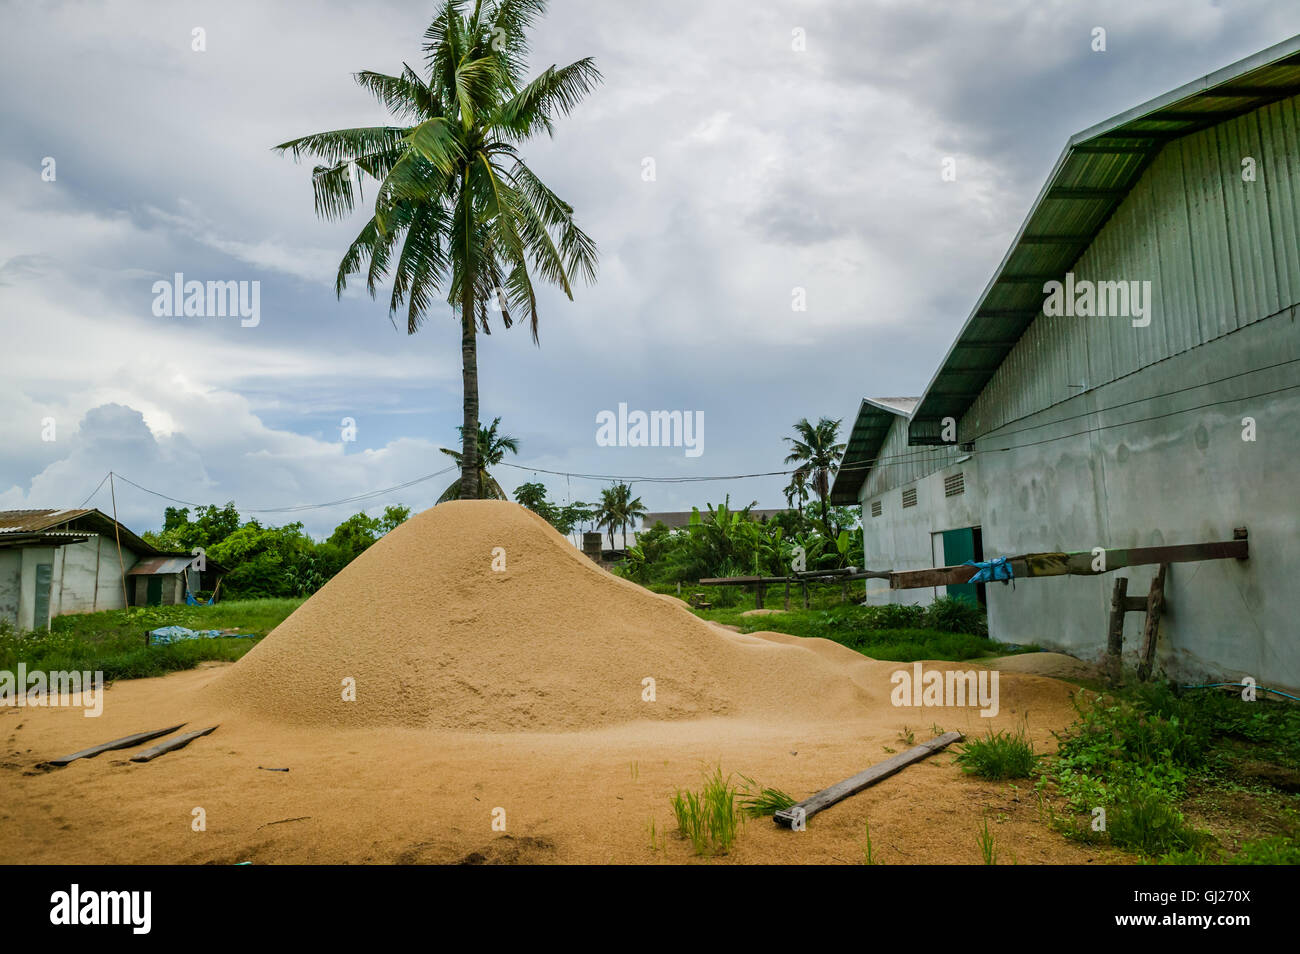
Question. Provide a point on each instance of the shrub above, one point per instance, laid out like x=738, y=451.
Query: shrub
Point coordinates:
x=1144, y=819
x=956, y=615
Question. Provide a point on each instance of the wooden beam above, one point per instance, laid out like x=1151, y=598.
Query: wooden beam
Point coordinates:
x=1080, y=563
x=740, y=580
x=1151, y=632
x=123, y=743
x=171, y=745
x=851, y=786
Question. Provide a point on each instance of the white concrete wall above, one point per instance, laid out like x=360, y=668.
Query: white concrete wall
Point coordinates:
x=1183, y=478
x=900, y=539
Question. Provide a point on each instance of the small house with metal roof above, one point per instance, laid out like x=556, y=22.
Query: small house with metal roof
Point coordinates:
x=54, y=562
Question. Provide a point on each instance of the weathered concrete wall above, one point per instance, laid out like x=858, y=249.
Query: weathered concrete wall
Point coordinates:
x=110, y=573
x=32, y=557
x=11, y=567
x=74, y=587
x=1168, y=478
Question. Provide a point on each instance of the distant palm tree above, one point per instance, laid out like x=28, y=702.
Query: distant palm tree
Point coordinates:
x=797, y=490
x=816, y=452
x=471, y=218
x=618, y=508
x=491, y=449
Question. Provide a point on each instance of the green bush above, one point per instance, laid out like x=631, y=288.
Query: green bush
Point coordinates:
x=956, y=615
x=1144, y=819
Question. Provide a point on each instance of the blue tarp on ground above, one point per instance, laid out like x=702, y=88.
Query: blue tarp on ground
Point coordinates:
x=174, y=634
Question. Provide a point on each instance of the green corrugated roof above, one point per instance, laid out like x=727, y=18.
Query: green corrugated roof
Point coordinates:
x=874, y=419
x=1093, y=175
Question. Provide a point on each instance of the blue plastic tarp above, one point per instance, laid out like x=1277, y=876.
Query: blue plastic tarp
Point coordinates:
x=991, y=571
x=174, y=634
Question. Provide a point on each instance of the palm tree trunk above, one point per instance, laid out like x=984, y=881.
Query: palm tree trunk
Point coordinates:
x=469, y=489
x=823, y=488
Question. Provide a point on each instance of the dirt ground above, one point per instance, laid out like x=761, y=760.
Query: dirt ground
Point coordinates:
x=511, y=702
x=400, y=795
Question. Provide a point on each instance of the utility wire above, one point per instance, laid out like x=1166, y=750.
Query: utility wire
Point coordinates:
x=889, y=460
x=299, y=507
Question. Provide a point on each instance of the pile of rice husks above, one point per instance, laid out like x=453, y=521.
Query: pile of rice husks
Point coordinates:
x=478, y=615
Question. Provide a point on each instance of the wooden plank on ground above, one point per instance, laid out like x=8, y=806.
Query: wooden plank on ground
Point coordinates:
x=171, y=745
x=851, y=786
x=123, y=743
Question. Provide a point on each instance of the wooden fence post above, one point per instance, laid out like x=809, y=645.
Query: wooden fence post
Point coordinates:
x=1115, y=635
x=1155, y=606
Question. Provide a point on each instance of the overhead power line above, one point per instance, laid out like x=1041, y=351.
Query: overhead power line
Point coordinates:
x=889, y=460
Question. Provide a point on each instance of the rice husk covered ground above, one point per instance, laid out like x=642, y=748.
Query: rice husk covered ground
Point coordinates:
x=522, y=690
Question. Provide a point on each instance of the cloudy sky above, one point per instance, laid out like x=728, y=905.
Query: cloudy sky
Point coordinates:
x=795, y=145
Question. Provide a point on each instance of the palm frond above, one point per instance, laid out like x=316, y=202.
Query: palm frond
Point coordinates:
x=339, y=145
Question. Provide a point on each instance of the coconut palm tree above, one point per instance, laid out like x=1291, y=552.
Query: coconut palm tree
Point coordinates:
x=618, y=508
x=630, y=509
x=797, y=490
x=491, y=450
x=457, y=212
x=816, y=452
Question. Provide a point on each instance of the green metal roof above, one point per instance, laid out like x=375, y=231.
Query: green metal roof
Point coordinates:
x=872, y=424
x=1091, y=178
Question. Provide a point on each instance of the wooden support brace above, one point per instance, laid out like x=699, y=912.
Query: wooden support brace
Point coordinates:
x=1151, y=632
x=1115, y=635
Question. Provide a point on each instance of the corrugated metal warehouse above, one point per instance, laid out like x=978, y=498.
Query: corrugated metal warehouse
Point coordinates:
x=1174, y=421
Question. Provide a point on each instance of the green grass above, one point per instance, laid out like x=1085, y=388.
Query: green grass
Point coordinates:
x=895, y=633
x=755, y=801
x=868, y=850
x=987, y=843
x=113, y=641
x=709, y=819
x=1198, y=777
x=999, y=755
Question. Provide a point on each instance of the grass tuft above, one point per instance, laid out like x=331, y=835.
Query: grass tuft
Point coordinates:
x=756, y=801
x=999, y=755
x=708, y=819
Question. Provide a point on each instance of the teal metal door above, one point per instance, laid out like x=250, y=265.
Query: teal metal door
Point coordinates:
x=153, y=592
x=44, y=577
x=958, y=547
